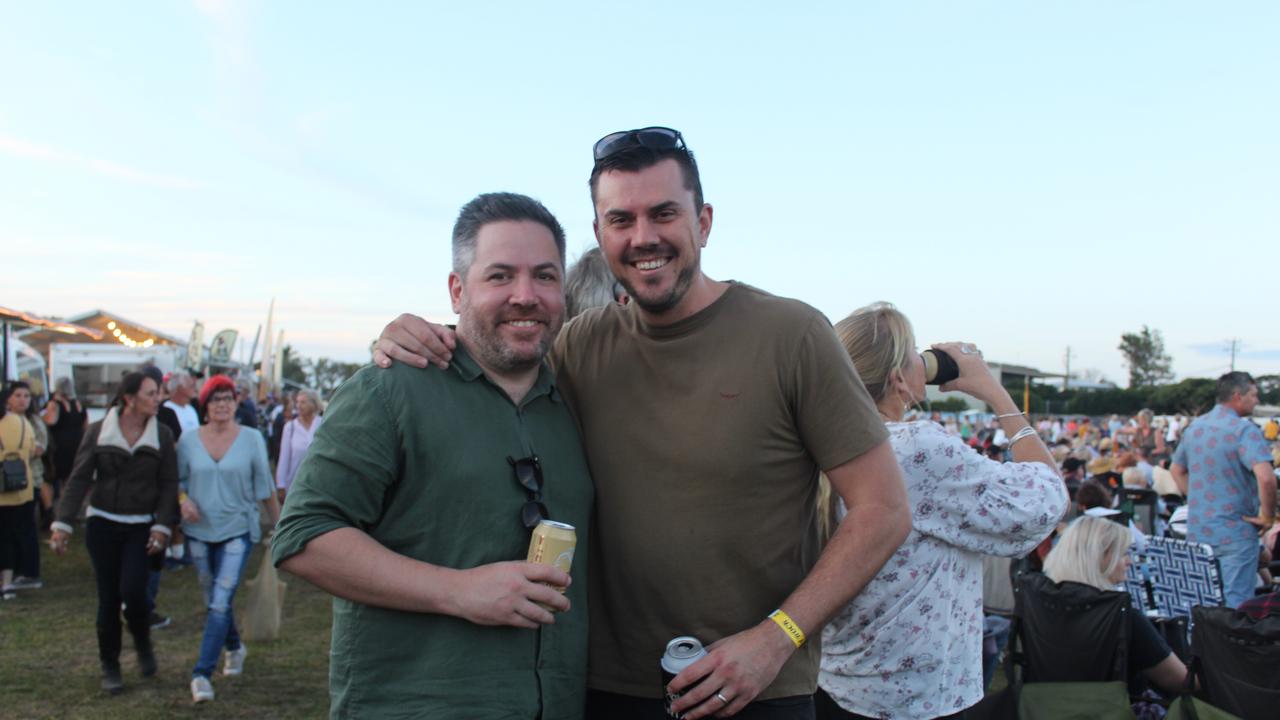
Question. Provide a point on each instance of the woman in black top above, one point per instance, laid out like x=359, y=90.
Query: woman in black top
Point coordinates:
x=1095, y=552
x=67, y=421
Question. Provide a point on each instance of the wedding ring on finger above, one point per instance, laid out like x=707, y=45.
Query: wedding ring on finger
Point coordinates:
x=968, y=349
x=722, y=698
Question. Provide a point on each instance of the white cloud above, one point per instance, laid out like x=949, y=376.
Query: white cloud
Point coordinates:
x=214, y=8
x=107, y=168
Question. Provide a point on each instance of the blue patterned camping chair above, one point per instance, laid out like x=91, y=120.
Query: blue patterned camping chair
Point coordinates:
x=1180, y=575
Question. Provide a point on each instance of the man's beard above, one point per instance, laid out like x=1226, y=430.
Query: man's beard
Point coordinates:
x=486, y=343
x=657, y=306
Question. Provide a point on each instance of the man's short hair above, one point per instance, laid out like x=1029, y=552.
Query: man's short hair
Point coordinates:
x=497, y=207
x=635, y=159
x=1072, y=464
x=175, y=380
x=589, y=283
x=1232, y=383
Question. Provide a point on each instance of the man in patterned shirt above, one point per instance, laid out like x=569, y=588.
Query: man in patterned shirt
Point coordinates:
x=1223, y=466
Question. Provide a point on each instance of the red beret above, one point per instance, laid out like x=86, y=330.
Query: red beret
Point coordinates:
x=215, y=384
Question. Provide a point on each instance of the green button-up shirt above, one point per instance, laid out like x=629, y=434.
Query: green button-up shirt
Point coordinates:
x=417, y=458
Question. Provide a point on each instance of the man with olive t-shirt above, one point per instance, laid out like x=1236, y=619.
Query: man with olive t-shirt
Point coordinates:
x=707, y=409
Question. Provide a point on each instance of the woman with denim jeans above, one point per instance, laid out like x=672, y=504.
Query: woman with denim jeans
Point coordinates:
x=224, y=475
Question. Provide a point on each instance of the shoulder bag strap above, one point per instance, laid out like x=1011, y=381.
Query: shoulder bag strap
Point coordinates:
x=22, y=434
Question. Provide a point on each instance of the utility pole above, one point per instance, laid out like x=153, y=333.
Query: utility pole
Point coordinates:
x=1066, y=381
x=1235, y=343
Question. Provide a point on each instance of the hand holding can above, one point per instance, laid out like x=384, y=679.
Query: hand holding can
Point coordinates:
x=553, y=543
x=681, y=653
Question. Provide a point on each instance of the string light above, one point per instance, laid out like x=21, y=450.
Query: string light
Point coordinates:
x=127, y=341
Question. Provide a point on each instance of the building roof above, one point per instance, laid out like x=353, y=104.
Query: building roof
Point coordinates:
x=1021, y=370
x=109, y=328
x=20, y=319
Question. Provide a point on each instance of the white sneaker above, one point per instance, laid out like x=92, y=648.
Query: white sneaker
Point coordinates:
x=201, y=690
x=235, y=661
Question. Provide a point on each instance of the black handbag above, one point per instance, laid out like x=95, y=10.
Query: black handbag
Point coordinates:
x=14, y=468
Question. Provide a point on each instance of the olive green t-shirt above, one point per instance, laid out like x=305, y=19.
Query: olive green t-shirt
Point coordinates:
x=417, y=458
x=705, y=439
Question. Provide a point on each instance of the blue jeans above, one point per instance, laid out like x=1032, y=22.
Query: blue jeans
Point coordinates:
x=219, y=566
x=153, y=589
x=995, y=635
x=1239, y=563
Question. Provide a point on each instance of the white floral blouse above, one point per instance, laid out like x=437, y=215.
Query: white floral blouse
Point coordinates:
x=910, y=645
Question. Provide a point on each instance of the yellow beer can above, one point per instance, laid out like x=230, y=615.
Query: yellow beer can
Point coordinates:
x=553, y=543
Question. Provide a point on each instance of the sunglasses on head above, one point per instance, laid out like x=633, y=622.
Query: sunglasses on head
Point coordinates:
x=655, y=138
x=529, y=474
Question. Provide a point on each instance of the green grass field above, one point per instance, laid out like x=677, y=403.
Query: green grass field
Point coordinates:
x=49, y=653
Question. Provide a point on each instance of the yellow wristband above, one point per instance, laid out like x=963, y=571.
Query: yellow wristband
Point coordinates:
x=788, y=626
x=182, y=497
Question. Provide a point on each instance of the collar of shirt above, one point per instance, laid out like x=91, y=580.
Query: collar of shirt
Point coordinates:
x=469, y=370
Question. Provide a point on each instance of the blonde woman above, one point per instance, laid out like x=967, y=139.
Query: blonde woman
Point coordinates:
x=1145, y=436
x=296, y=438
x=910, y=646
x=1095, y=552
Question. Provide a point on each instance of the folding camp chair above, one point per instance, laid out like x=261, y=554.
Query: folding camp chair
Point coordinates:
x=1237, y=661
x=1183, y=575
x=1051, y=622
x=1068, y=654
x=1142, y=506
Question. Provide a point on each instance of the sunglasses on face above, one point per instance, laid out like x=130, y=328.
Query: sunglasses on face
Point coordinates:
x=529, y=474
x=655, y=138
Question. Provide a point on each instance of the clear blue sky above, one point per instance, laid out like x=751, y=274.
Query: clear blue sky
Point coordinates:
x=1023, y=175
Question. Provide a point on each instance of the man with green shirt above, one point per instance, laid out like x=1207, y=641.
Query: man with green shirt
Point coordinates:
x=415, y=502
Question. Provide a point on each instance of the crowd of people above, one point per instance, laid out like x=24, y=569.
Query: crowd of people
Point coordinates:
x=736, y=469
x=169, y=472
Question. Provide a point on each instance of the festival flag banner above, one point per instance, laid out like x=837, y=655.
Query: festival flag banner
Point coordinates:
x=220, y=348
x=195, y=348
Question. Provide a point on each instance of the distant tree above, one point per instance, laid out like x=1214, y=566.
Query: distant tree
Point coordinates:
x=1269, y=389
x=293, y=368
x=1093, y=375
x=1144, y=353
x=951, y=404
x=1192, y=396
x=1125, y=401
x=326, y=375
